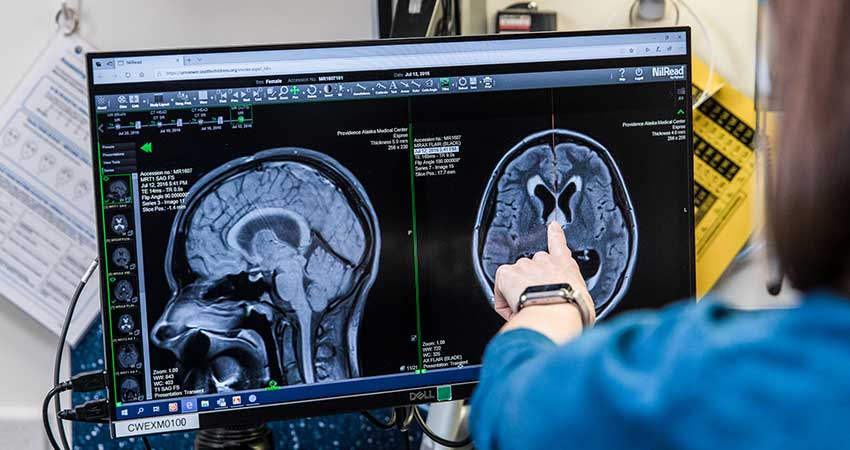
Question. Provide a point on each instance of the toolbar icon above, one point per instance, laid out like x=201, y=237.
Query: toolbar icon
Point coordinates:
x=295, y=90
x=221, y=402
x=189, y=405
x=445, y=82
x=203, y=95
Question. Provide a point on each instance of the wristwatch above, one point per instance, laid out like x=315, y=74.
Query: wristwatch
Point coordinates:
x=549, y=294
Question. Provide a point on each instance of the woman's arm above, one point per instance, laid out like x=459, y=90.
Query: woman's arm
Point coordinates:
x=614, y=388
x=558, y=322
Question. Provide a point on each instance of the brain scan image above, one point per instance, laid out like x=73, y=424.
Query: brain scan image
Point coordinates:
x=123, y=290
x=130, y=390
x=269, y=263
x=118, y=191
x=121, y=257
x=128, y=356
x=126, y=323
x=559, y=175
x=119, y=224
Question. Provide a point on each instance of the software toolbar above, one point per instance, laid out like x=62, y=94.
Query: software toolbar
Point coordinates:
x=279, y=93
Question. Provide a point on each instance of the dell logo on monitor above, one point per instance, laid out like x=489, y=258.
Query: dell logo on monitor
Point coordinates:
x=667, y=71
x=421, y=395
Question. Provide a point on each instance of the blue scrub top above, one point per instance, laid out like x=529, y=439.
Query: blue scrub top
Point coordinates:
x=691, y=376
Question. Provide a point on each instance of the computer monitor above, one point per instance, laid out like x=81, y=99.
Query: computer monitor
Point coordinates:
x=309, y=229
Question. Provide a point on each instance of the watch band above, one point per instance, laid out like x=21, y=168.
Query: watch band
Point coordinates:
x=548, y=294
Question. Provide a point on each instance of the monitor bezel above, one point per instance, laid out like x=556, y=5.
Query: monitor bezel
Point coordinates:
x=345, y=403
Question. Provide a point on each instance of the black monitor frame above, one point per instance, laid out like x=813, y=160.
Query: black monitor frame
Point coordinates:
x=325, y=406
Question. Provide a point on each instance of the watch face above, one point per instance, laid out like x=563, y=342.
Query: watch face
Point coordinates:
x=548, y=288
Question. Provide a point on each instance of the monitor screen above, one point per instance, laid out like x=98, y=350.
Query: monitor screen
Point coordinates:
x=308, y=229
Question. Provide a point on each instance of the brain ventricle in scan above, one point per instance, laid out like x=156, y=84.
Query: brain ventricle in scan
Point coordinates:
x=270, y=263
x=564, y=176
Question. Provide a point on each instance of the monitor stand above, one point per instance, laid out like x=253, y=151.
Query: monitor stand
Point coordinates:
x=236, y=437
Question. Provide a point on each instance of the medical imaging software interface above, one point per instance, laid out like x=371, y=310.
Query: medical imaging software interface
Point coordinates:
x=291, y=224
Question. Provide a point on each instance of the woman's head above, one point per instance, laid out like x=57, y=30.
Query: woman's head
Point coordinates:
x=809, y=197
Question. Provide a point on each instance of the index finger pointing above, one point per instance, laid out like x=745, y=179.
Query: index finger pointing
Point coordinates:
x=557, y=240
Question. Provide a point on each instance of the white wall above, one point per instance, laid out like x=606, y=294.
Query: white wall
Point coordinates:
x=25, y=25
x=26, y=348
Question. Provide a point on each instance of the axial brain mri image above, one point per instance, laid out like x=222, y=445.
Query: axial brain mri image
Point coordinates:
x=568, y=177
x=269, y=264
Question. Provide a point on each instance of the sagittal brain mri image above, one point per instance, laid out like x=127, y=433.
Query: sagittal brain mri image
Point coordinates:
x=569, y=177
x=269, y=264
x=118, y=191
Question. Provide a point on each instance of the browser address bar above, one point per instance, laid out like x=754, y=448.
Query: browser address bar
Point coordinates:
x=402, y=61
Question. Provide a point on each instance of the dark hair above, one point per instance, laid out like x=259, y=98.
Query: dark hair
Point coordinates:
x=808, y=201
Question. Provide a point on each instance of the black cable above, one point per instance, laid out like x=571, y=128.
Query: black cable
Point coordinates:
x=406, y=436
x=92, y=411
x=439, y=440
x=45, y=406
x=61, y=347
x=378, y=423
x=404, y=416
x=146, y=442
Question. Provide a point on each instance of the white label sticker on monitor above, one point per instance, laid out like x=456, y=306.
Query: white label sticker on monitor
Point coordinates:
x=152, y=425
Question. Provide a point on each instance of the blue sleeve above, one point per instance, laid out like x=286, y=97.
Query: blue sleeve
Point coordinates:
x=610, y=388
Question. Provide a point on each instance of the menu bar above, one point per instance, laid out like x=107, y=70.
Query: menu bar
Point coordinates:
x=296, y=93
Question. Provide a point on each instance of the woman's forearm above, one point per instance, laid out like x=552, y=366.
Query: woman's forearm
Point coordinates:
x=559, y=322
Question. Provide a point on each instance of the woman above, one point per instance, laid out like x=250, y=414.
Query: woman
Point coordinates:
x=702, y=376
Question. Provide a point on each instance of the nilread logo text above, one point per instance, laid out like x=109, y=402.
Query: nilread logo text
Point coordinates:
x=667, y=71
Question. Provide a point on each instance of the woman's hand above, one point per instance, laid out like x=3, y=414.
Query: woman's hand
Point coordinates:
x=557, y=266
